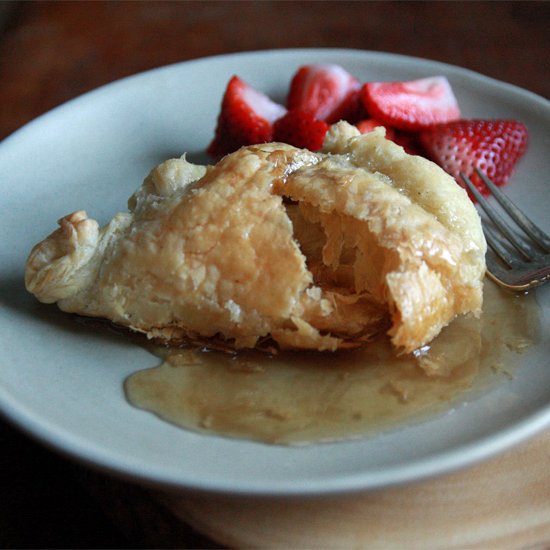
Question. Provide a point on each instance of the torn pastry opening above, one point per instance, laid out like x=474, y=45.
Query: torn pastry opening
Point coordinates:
x=276, y=244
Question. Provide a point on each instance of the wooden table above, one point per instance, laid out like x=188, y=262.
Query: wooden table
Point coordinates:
x=51, y=52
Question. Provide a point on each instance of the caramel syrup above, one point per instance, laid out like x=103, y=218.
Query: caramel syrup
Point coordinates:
x=300, y=398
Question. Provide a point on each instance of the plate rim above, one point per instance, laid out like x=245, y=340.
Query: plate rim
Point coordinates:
x=285, y=51
x=458, y=457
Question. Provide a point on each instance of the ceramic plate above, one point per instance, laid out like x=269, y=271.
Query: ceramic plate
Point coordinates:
x=63, y=383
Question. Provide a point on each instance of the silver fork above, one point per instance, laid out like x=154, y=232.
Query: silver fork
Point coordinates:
x=523, y=260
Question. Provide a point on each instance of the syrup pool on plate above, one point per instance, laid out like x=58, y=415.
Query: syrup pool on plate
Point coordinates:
x=300, y=398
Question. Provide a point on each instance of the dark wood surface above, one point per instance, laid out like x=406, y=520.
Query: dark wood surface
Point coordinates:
x=51, y=52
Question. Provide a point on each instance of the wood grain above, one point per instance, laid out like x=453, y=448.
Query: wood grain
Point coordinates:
x=502, y=503
x=51, y=52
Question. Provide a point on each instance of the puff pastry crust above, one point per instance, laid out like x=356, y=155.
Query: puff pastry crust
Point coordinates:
x=308, y=250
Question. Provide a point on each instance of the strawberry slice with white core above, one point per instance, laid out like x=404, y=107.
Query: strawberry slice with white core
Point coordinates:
x=260, y=104
x=327, y=92
x=411, y=105
x=246, y=118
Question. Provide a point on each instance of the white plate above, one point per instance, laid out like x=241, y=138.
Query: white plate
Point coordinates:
x=63, y=383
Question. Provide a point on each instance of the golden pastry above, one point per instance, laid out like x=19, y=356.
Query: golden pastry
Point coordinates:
x=277, y=244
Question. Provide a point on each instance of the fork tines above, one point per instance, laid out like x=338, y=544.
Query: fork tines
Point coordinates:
x=532, y=267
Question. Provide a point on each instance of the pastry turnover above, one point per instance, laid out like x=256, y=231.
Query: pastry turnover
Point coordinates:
x=277, y=244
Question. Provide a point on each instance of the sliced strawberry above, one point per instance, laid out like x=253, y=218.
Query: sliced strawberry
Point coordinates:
x=409, y=141
x=369, y=124
x=327, y=92
x=493, y=146
x=246, y=118
x=411, y=105
x=350, y=110
x=300, y=129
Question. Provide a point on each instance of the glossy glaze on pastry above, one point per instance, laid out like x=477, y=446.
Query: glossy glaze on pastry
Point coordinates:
x=277, y=245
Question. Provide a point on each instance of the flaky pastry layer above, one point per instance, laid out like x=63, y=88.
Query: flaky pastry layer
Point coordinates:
x=310, y=250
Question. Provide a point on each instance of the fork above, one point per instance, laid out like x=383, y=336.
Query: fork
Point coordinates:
x=524, y=260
